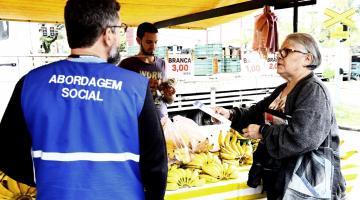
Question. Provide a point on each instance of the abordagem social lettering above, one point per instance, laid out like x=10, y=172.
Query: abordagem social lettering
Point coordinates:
x=84, y=93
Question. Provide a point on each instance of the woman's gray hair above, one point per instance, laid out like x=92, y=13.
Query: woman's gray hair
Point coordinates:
x=308, y=42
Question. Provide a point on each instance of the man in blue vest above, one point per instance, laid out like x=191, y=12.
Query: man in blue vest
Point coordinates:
x=82, y=128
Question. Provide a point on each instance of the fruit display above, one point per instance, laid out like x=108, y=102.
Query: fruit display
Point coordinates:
x=10, y=189
x=196, y=158
x=178, y=178
x=235, y=149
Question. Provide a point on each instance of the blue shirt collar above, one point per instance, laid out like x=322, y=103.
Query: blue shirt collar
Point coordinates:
x=87, y=58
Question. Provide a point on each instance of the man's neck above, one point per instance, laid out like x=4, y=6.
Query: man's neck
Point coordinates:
x=88, y=52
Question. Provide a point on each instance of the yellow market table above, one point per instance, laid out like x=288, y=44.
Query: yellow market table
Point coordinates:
x=238, y=190
x=229, y=189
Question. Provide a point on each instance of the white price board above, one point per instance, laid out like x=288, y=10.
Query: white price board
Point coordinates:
x=270, y=64
x=251, y=62
x=179, y=65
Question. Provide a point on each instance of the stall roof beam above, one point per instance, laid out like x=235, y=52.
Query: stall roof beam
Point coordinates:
x=281, y=4
x=235, y=8
x=217, y=12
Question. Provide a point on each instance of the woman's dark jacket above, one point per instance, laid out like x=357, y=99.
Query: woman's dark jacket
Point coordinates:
x=312, y=119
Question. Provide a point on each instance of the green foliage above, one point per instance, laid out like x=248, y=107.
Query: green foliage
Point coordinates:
x=329, y=73
x=123, y=46
x=347, y=115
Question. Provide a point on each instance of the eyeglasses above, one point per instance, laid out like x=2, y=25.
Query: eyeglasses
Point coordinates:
x=123, y=27
x=282, y=53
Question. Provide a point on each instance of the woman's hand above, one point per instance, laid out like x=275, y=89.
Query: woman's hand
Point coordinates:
x=221, y=111
x=252, y=132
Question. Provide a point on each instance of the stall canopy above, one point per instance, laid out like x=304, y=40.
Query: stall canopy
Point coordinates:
x=188, y=14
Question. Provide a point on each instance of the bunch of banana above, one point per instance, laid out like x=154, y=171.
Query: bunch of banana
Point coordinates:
x=248, y=153
x=178, y=178
x=237, y=134
x=182, y=155
x=10, y=189
x=255, y=143
x=197, y=161
x=229, y=171
x=2, y=175
x=208, y=178
x=170, y=147
x=214, y=169
x=202, y=146
x=230, y=148
x=235, y=163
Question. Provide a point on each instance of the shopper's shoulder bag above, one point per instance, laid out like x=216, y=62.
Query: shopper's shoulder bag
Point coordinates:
x=313, y=174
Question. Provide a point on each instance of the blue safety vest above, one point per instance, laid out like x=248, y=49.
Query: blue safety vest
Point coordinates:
x=83, y=120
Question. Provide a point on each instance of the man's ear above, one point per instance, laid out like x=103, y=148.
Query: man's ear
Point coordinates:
x=108, y=37
x=138, y=40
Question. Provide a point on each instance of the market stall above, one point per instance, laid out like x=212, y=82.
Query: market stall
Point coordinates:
x=238, y=189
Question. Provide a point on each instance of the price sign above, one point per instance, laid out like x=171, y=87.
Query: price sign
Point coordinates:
x=179, y=64
x=251, y=62
x=271, y=63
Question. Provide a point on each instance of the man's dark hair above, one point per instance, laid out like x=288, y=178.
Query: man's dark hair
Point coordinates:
x=85, y=20
x=145, y=27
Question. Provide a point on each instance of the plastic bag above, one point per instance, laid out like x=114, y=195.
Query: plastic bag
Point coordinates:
x=192, y=135
x=177, y=149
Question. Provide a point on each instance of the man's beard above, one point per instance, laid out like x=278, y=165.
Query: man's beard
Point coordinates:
x=114, y=57
x=146, y=53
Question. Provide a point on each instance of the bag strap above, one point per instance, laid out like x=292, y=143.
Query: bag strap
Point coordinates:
x=327, y=141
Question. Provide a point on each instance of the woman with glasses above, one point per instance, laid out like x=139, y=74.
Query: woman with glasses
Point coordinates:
x=295, y=119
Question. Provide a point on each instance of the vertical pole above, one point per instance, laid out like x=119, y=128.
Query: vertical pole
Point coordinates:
x=295, y=19
x=213, y=97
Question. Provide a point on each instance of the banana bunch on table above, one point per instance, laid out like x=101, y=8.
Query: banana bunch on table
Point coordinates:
x=11, y=189
x=179, y=178
x=231, y=149
x=211, y=167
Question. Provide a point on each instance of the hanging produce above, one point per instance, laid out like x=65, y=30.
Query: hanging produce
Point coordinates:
x=265, y=33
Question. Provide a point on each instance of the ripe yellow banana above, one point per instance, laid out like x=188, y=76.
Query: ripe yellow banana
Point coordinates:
x=233, y=145
x=228, y=156
x=172, y=178
x=221, y=139
x=212, y=158
x=225, y=169
x=229, y=148
x=5, y=192
x=212, y=170
x=240, y=149
x=197, y=161
x=227, y=138
x=199, y=182
x=232, y=173
x=231, y=162
x=172, y=186
x=208, y=178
